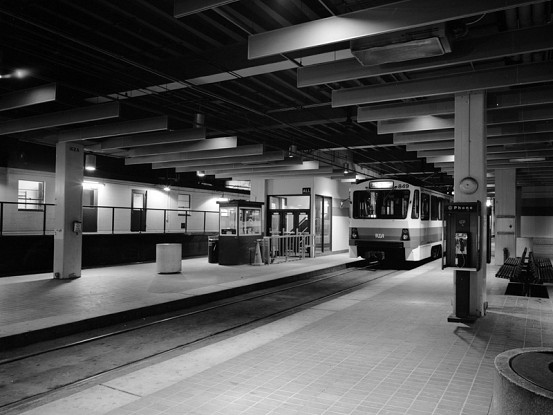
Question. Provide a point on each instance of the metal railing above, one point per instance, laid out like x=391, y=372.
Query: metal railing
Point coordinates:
x=277, y=248
x=108, y=220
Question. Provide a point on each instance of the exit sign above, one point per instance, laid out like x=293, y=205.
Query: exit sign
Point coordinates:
x=306, y=191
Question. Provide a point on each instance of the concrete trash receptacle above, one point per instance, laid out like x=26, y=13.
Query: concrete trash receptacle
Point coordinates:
x=168, y=258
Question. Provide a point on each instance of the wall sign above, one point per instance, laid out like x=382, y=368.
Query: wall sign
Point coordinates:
x=306, y=191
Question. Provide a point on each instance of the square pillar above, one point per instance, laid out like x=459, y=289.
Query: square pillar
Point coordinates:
x=69, y=211
x=470, y=162
x=505, y=214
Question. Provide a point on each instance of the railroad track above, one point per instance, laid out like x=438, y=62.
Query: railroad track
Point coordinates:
x=47, y=370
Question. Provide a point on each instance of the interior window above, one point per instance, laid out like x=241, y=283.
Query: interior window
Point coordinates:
x=30, y=195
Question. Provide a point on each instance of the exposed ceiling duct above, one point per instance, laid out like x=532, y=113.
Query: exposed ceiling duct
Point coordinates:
x=401, y=46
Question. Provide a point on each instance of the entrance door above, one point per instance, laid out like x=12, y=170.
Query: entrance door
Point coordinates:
x=90, y=210
x=287, y=222
x=138, y=210
x=323, y=224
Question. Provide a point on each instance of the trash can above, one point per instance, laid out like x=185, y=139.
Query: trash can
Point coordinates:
x=168, y=258
x=212, y=250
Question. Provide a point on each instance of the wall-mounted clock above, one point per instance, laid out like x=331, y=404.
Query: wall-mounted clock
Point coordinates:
x=468, y=185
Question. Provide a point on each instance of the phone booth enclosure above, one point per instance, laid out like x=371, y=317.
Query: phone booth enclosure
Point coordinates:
x=240, y=226
x=462, y=235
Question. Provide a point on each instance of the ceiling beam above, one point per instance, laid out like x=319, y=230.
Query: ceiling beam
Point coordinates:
x=236, y=166
x=515, y=140
x=422, y=123
x=451, y=84
x=409, y=138
x=208, y=144
x=249, y=150
x=370, y=22
x=57, y=119
x=164, y=137
x=496, y=101
x=265, y=157
x=143, y=125
x=520, y=128
x=498, y=45
x=514, y=115
x=414, y=109
x=322, y=171
x=306, y=165
x=187, y=7
x=28, y=97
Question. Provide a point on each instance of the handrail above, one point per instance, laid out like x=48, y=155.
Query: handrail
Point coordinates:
x=283, y=247
x=40, y=225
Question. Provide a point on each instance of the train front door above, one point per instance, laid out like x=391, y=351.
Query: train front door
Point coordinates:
x=288, y=222
x=138, y=210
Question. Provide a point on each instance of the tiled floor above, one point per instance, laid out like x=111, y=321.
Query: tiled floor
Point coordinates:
x=384, y=349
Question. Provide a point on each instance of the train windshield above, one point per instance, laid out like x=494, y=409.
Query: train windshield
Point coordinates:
x=380, y=204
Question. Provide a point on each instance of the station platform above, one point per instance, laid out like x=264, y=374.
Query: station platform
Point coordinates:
x=37, y=307
x=386, y=348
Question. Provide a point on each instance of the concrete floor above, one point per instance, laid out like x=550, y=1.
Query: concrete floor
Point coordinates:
x=384, y=349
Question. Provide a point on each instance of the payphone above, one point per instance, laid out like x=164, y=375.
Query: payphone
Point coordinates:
x=462, y=236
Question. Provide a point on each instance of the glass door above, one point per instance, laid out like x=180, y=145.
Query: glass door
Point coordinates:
x=323, y=224
x=138, y=210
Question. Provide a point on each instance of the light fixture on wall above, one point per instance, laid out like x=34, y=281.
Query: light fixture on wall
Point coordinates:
x=90, y=162
x=222, y=198
x=200, y=173
x=166, y=188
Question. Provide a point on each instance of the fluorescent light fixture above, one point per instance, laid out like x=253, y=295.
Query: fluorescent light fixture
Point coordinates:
x=527, y=159
x=200, y=173
x=166, y=188
x=387, y=184
x=90, y=162
x=222, y=198
x=87, y=184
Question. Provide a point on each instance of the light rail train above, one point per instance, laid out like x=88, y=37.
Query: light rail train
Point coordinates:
x=395, y=222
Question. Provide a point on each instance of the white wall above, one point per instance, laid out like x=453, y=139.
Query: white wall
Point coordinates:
x=113, y=193
x=340, y=215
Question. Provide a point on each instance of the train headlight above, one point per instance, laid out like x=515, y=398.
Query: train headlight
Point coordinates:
x=354, y=233
x=405, y=235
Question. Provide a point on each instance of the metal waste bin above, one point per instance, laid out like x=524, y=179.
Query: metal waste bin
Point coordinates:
x=212, y=250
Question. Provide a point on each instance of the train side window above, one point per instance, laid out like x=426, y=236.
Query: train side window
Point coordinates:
x=425, y=206
x=434, y=208
x=416, y=205
x=440, y=208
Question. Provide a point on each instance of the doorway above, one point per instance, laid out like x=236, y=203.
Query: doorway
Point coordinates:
x=138, y=210
x=323, y=224
x=90, y=210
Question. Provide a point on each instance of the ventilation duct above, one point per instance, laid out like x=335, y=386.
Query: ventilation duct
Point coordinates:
x=401, y=46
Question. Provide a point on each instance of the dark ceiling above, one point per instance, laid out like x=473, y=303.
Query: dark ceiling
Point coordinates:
x=138, y=80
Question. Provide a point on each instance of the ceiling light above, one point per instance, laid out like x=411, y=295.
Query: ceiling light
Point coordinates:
x=166, y=188
x=200, y=173
x=526, y=159
x=90, y=162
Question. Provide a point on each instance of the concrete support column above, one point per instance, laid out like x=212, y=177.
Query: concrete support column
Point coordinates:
x=505, y=214
x=69, y=212
x=470, y=161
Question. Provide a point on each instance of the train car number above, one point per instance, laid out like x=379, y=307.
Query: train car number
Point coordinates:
x=379, y=235
x=401, y=186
